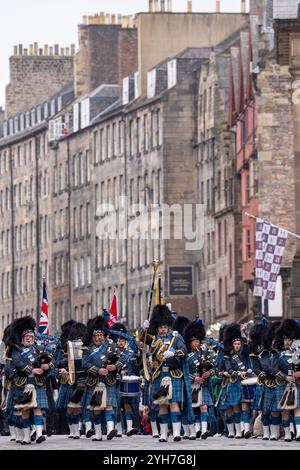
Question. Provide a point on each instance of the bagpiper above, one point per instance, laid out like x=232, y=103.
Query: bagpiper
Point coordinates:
x=101, y=362
x=287, y=374
x=201, y=369
x=236, y=366
x=32, y=366
x=170, y=385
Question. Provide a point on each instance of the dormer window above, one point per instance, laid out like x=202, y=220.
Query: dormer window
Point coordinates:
x=126, y=90
x=151, y=83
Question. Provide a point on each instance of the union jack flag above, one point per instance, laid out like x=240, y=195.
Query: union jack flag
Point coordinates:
x=44, y=321
x=113, y=310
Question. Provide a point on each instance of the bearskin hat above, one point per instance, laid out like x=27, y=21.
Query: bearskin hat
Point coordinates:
x=161, y=315
x=180, y=324
x=6, y=334
x=96, y=323
x=18, y=328
x=256, y=336
x=195, y=330
x=77, y=330
x=231, y=332
x=269, y=334
x=117, y=327
x=221, y=331
x=289, y=328
x=65, y=330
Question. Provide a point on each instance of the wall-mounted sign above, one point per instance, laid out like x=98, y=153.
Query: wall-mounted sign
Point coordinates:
x=180, y=280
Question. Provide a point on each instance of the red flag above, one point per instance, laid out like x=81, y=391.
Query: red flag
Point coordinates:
x=113, y=310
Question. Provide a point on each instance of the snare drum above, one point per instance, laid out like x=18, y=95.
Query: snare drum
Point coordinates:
x=249, y=386
x=130, y=386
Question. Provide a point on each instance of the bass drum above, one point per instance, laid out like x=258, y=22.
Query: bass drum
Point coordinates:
x=77, y=375
x=130, y=386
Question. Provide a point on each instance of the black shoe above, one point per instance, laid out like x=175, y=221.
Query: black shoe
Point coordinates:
x=198, y=434
x=287, y=440
x=112, y=434
x=247, y=435
x=90, y=433
x=273, y=439
x=205, y=435
x=230, y=436
x=185, y=437
x=119, y=435
x=44, y=432
x=70, y=437
x=49, y=433
x=25, y=443
x=76, y=437
x=33, y=437
x=12, y=439
x=155, y=436
x=177, y=439
x=95, y=439
x=132, y=432
x=162, y=440
x=193, y=438
x=297, y=438
x=40, y=439
x=239, y=437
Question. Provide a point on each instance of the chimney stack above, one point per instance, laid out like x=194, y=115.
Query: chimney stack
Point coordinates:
x=218, y=6
x=150, y=6
x=163, y=6
x=243, y=6
x=156, y=6
x=190, y=6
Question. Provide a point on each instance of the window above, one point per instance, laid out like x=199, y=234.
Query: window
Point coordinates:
x=219, y=239
x=133, y=306
x=248, y=244
x=213, y=254
x=131, y=138
x=81, y=169
x=145, y=132
x=88, y=270
x=75, y=172
x=230, y=260
x=114, y=139
x=88, y=219
x=208, y=195
x=82, y=277
x=225, y=237
x=96, y=147
x=76, y=281
x=121, y=137
x=75, y=225
x=247, y=188
x=137, y=145
x=81, y=221
x=101, y=145
x=220, y=296
x=108, y=142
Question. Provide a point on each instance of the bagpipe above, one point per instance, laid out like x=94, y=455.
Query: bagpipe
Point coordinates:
x=289, y=397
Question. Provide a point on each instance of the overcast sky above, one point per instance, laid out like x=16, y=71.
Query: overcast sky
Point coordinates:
x=55, y=21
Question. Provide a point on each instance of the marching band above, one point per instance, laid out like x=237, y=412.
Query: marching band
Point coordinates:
x=188, y=385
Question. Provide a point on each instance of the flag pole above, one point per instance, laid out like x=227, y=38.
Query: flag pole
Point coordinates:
x=254, y=217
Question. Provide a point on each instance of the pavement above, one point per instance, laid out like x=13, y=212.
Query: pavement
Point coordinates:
x=139, y=442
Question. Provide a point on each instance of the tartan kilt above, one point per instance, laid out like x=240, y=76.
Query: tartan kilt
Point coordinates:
x=257, y=397
x=111, y=396
x=271, y=399
x=298, y=395
x=133, y=401
x=9, y=410
x=146, y=390
x=41, y=396
x=64, y=395
x=234, y=395
x=206, y=397
x=222, y=400
x=177, y=386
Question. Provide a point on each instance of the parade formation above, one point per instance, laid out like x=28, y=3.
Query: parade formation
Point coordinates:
x=169, y=380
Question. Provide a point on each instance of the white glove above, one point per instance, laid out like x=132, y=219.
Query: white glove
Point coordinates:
x=146, y=324
x=168, y=354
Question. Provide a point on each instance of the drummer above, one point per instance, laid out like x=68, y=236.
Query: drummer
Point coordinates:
x=236, y=366
x=129, y=404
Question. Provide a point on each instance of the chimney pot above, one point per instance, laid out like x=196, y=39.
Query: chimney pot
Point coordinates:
x=62, y=51
x=41, y=51
x=15, y=50
x=190, y=6
x=169, y=6
x=163, y=6
x=72, y=49
x=150, y=6
x=56, y=49
x=156, y=6
x=46, y=49
x=113, y=19
x=218, y=6
x=20, y=49
x=243, y=6
x=36, y=48
x=30, y=49
x=25, y=51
